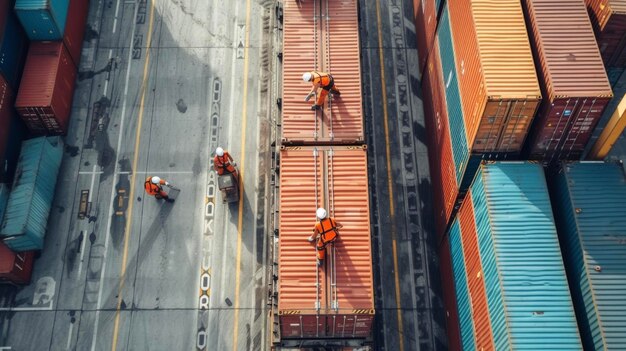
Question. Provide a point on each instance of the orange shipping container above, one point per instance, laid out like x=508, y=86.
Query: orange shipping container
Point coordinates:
x=608, y=18
x=307, y=46
x=333, y=301
x=500, y=92
x=425, y=15
x=574, y=83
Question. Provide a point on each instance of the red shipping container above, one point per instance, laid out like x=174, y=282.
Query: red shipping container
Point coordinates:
x=310, y=305
x=6, y=109
x=608, y=18
x=44, y=100
x=475, y=281
x=75, y=28
x=449, y=296
x=443, y=175
x=425, y=15
x=16, y=267
x=574, y=83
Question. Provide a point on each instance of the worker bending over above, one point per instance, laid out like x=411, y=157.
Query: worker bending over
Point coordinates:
x=320, y=80
x=325, y=231
x=154, y=187
x=223, y=163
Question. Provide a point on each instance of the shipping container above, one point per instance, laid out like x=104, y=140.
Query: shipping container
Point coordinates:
x=11, y=133
x=42, y=19
x=449, y=297
x=6, y=114
x=442, y=167
x=75, y=28
x=307, y=46
x=589, y=199
x=4, y=198
x=44, y=100
x=507, y=213
x=335, y=300
x=425, y=16
x=13, y=45
x=574, y=84
x=16, y=268
x=608, y=18
x=26, y=216
x=499, y=89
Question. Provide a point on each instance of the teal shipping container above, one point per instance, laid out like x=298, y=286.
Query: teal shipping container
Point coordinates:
x=13, y=45
x=589, y=199
x=26, y=216
x=4, y=198
x=528, y=302
x=42, y=19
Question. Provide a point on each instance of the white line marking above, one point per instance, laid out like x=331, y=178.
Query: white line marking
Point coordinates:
x=5, y=347
x=117, y=11
x=117, y=154
x=25, y=309
x=93, y=178
x=89, y=172
x=106, y=81
x=69, y=337
x=85, y=232
x=138, y=172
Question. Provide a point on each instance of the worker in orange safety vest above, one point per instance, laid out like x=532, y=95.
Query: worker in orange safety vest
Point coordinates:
x=223, y=162
x=326, y=231
x=320, y=80
x=154, y=187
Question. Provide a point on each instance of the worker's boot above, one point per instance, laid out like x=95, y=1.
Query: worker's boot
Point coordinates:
x=319, y=262
x=316, y=107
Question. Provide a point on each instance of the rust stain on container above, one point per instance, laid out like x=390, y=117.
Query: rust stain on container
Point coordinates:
x=608, y=18
x=307, y=47
x=499, y=87
x=309, y=306
x=575, y=85
x=44, y=100
x=475, y=281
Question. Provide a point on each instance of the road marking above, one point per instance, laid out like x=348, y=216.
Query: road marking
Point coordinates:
x=116, y=167
x=82, y=247
x=133, y=179
x=117, y=11
x=26, y=309
x=246, y=61
x=389, y=179
x=69, y=336
x=106, y=81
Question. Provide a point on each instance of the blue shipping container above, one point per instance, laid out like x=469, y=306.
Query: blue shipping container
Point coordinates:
x=528, y=298
x=590, y=207
x=42, y=19
x=26, y=217
x=4, y=198
x=12, y=50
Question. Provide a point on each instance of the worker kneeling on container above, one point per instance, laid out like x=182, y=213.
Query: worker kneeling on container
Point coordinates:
x=154, y=187
x=227, y=175
x=320, y=80
x=326, y=231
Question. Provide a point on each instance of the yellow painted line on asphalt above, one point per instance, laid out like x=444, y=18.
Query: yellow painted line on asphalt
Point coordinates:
x=244, y=118
x=389, y=178
x=132, y=182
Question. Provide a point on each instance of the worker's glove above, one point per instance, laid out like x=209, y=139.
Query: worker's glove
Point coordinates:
x=167, y=183
x=308, y=97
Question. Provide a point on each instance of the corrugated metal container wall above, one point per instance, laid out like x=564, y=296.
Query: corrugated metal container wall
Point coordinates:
x=608, y=18
x=303, y=172
x=570, y=109
x=42, y=19
x=474, y=278
x=527, y=293
x=6, y=114
x=75, y=28
x=17, y=133
x=26, y=217
x=463, y=301
x=4, y=199
x=13, y=47
x=304, y=31
x=44, y=100
x=499, y=87
x=445, y=186
x=589, y=201
x=449, y=296
x=425, y=15
x=16, y=267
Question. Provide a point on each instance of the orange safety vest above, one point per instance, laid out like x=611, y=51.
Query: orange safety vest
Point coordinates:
x=327, y=229
x=325, y=80
x=152, y=188
x=223, y=162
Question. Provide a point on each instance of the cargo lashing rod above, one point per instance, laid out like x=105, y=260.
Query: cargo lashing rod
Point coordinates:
x=331, y=202
x=593, y=102
x=315, y=62
x=329, y=69
x=317, y=271
x=556, y=128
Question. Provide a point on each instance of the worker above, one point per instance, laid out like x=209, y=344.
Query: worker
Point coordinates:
x=154, y=187
x=223, y=162
x=320, y=80
x=326, y=231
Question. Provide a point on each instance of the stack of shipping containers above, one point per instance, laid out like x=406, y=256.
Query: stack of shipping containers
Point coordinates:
x=323, y=163
x=608, y=18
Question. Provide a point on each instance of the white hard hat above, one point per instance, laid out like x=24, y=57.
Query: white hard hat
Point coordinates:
x=307, y=76
x=156, y=180
x=219, y=152
x=321, y=213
